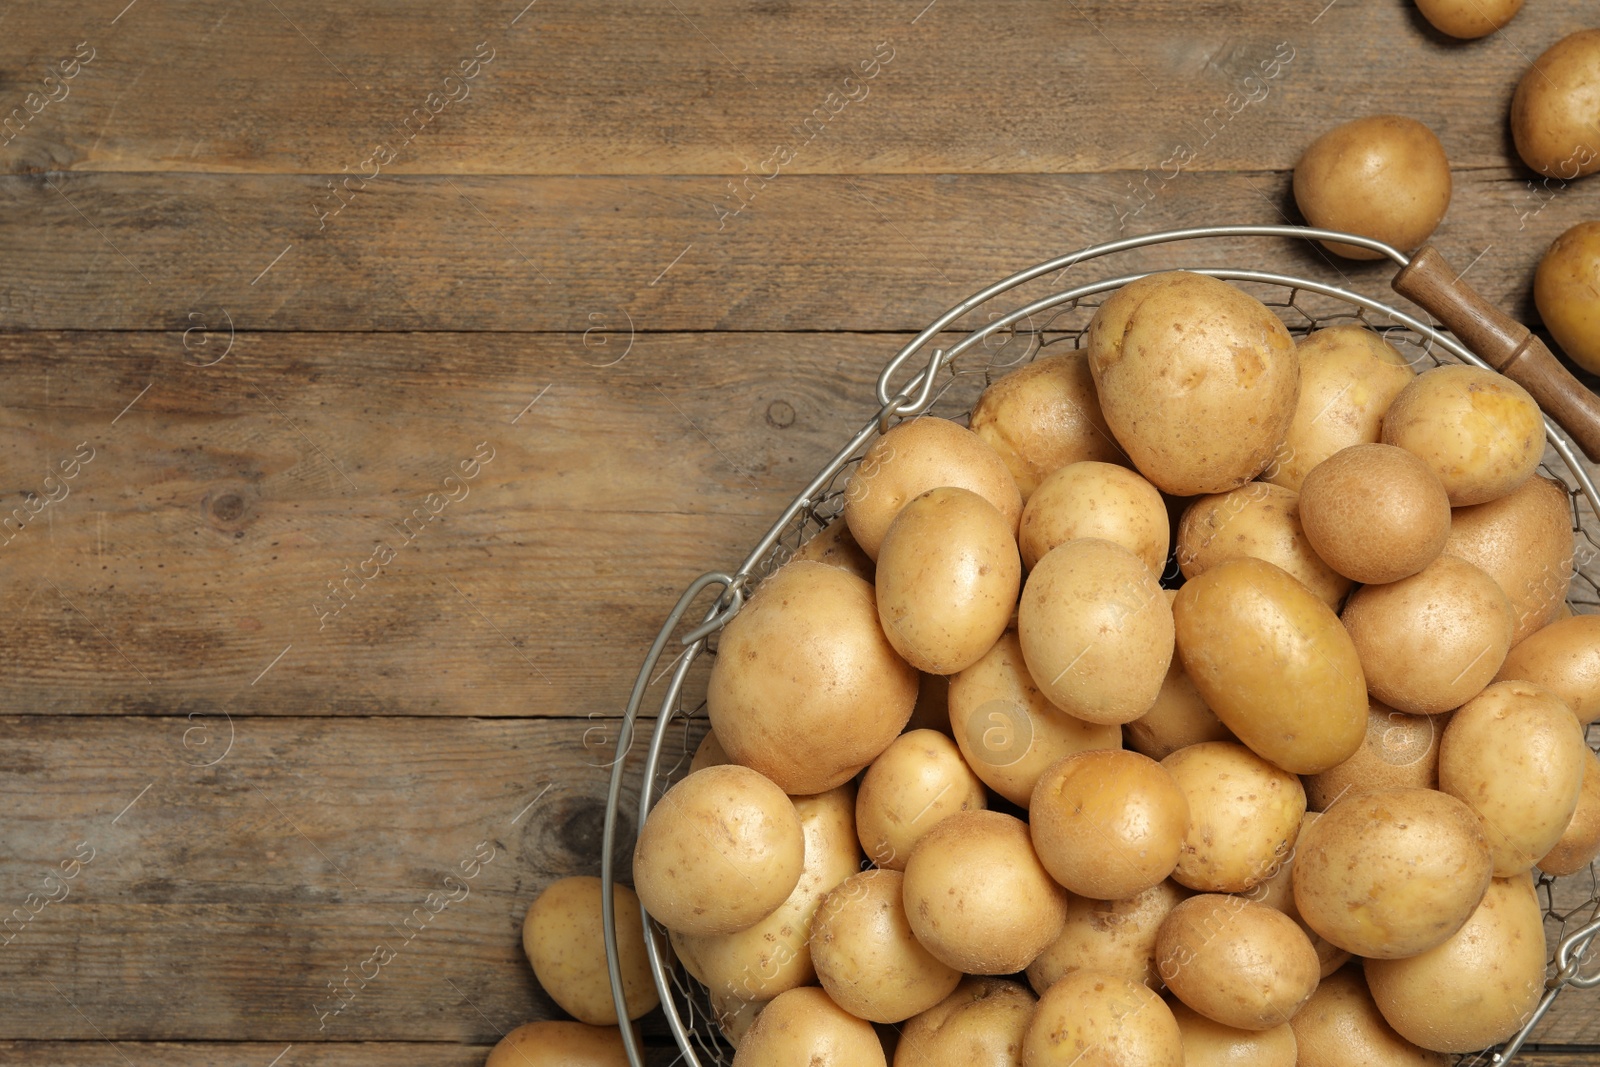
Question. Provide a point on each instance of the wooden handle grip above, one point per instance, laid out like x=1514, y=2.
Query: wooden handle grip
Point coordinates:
x=1505, y=344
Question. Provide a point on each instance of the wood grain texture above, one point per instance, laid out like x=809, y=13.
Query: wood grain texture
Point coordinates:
x=605, y=87
x=261, y=1054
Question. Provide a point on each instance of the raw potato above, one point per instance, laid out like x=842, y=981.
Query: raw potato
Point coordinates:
x=1108, y=825
x=805, y=1028
x=1524, y=542
x=977, y=896
x=1564, y=658
x=1277, y=892
x=1102, y=500
x=564, y=938
x=1481, y=432
x=947, y=580
x=1101, y=1020
x=1008, y=732
x=1273, y=662
x=719, y=852
x=559, y=1044
x=1478, y=987
x=709, y=753
x=1400, y=751
x=981, y=1024
x=867, y=958
x=805, y=688
x=1177, y=719
x=836, y=546
x=1096, y=631
x=916, y=783
x=1258, y=520
x=1043, y=416
x=1385, y=177
x=1197, y=380
x=774, y=955
x=1116, y=937
x=1393, y=872
x=1580, y=841
x=1207, y=1043
x=1238, y=963
x=1468, y=19
x=1430, y=642
x=1566, y=289
x=1348, y=377
x=912, y=458
x=1340, y=1026
x=1244, y=815
x=1375, y=513
x=734, y=1017
x=1515, y=755
x=1552, y=113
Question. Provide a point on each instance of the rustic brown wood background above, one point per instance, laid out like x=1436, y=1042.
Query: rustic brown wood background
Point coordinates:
x=546, y=275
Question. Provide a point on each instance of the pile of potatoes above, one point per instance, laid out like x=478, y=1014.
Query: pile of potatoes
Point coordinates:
x=983, y=788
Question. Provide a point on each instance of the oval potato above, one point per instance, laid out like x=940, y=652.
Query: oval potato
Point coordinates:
x=1580, y=841
x=918, y=781
x=557, y=1043
x=1400, y=751
x=1108, y=937
x=564, y=938
x=1090, y=499
x=1340, y=1025
x=1236, y=962
x=1101, y=1020
x=1523, y=541
x=1043, y=416
x=1381, y=176
x=1552, y=111
x=1563, y=658
x=1207, y=1043
x=805, y=1028
x=1479, y=431
x=866, y=956
x=981, y=1024
x=1566, y=290
x=1244, y=816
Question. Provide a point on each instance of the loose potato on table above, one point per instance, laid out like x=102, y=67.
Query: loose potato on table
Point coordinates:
x=1523, y=541
x=1566, y=290
x=918, y=781
x=1385, y=177
x=1468, y=19
x=1580, y=841
x=1043, y=416
x=913, y=457
x=947, y=579
x=1400, y=751
x=1375, y=513
x=1552, y=113
x=1197, y=379
x=1244, y=815
x=866, y=956
x=1479, y=431
x=1340, y=1026
x=564, y=938
x=1208, y=1043
x=1348, y=377
x=805, y=688
x=1109, y=937
x=1101, y=1020
x=1563, y=658
x=981, y=1024
x=805, y=1028
x=559, y=1044
x=1260, y=521
x=1239, y=963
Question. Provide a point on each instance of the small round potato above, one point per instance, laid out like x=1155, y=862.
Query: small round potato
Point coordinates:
x=1043, y=416
x=1524, y=542
x=1091, y=499
x=1580, y=841
x=1400, y=751
x=913, y=457
x=916, y=783
x=1348, y=377
x=805, y=1028
x=805, y=688
x=1258, y=520
x=1096, y=631
x=1467, y=19
x=1100, y=1020
x=1272, y=661
x=1177, y=719
x=709, y=753
x=1375, y=513
x=564, y=937
x=981, y=1024
x=1340, y=1026
x=836, y=546
x=1385, y=176
x=1552, y=113
x=1008, y=732
x=1108, y=937
x=1566, y=289
x=1478, y=987
x=1108, y=824
x=866, y=955
x=1515, y=755
x=1207, y=1043
x=1563, y=658
x=1479, y=431
x=1393, y=872
x=948, y=576
x=1277, y=892
x=719, y=852
x=559, y=1044
x=774, y=955
x=977, y=896
x=1244, y=815
x=1239, y=963
x=1197, y=380
x=1430, y=642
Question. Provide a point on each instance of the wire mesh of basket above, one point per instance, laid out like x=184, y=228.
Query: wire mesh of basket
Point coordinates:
x=942, y=372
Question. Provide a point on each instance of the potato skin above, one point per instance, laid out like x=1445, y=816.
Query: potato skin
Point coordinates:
x=1103, y=500
x=1375, y=513
x=1523, y=541
x=1108, y=937
x=1392, y=872
x=1468, y=19
x=1043, y=416
x=1340, y=1026
x=1244, y=815
x=1400, y=751
x=866, y=956
x=836, y=546
x=804, y=1028
x=1100, y=1020
x=1481, y=432
x=1178, y=718
x=1239, y=963
x=805, y=688
x=981, y=1024
x=1564, y=290
x=1384, y=176
x=1563, y=658
x=1197, y=380
x=1252, y=638
x=1259, y=520
x=559, y=1044
x=1580, y=841
x=1277, y=892
x=564, y=938
x=919, y=780
x=1552, y=112
x=1207, y=1043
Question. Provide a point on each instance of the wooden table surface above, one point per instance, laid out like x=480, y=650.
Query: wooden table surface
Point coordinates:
x=409, y=357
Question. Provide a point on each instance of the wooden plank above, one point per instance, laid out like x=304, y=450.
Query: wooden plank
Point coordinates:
x=177, y=251
x=604, y=87
x=262, y=1053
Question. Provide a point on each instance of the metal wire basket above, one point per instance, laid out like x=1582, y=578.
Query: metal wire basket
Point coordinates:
x=953, y=364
